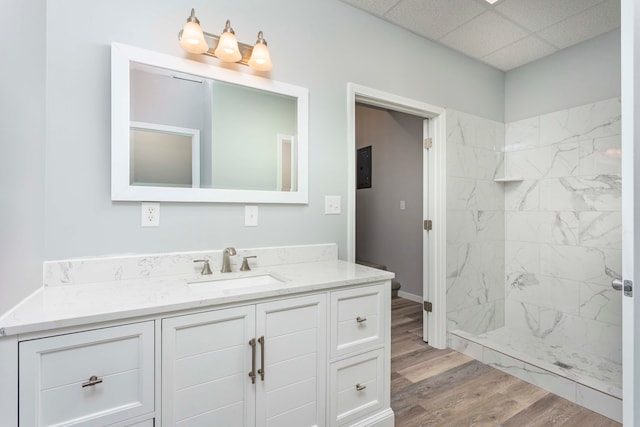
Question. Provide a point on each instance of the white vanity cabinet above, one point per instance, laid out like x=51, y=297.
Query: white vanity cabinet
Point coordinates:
x=359, y=372
x=255, y=365
x=312, y=350
x=90, y=378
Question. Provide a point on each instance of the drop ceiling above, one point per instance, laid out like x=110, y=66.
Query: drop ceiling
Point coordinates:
x=507, y=34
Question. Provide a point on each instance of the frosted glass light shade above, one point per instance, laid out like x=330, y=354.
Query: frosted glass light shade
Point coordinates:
x=227, y=49
x=192, y=39
x=260, y=58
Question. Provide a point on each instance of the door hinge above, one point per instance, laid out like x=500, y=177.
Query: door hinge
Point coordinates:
x=428, y=307
x=428, y=143
x=428, y=224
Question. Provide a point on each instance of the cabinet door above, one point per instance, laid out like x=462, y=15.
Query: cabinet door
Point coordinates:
x=293, y=360
x=206, y=359
x=74, y=379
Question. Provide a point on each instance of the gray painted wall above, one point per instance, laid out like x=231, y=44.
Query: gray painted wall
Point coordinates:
x=581, y=74
x=385, y=234
x=81, y=220
x=22, y=145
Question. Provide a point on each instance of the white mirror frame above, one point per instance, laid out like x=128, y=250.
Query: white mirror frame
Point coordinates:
x=121, y=190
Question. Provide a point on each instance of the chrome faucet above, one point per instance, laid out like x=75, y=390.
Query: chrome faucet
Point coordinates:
x=226, y=265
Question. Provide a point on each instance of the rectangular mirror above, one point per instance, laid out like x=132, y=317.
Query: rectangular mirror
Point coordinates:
x=192, y=132
x=164, y=156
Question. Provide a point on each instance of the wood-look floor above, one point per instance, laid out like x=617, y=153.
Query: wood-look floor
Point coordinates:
x=431, y=387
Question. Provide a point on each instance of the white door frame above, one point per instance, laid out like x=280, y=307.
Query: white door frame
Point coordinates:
x=435, y=257
x=630, y=209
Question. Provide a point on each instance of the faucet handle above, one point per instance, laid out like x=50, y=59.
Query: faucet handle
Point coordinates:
x=206, y=269
x=245, y=263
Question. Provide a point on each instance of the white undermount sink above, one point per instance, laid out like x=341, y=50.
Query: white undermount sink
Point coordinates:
x=234, y=282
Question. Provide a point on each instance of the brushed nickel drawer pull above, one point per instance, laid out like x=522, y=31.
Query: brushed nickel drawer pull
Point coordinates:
x=261, y=370
x=252, y=373
x=360, y=387
x=92, y=381
x=361, y=319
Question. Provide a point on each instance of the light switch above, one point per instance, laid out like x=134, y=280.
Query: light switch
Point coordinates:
x=250, y=216
x=402, y=205
x=332, y=205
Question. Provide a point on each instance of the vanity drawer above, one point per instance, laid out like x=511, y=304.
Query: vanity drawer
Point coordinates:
x=356, y=387
x=96, y=377
x=357, y=319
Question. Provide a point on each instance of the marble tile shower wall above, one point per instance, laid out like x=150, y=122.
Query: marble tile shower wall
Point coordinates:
x=475, y=223
x=563, y=227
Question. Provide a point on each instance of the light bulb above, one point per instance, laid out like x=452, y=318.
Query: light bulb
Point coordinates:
x=192, y=39
x=260, y=58
x=227, y=49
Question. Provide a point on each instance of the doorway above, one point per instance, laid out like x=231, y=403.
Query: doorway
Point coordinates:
x=433, y=209
x=389, y=195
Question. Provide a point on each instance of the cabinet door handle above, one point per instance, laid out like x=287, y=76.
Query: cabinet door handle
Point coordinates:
x=261, y=370
x=252, y=373
x=360, y=387
x=361, y=319
x=92, y=381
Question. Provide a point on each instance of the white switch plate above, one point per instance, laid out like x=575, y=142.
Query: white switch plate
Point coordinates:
x=250, y=216
x=402, y=205
x=332, y=205
x=150, y=214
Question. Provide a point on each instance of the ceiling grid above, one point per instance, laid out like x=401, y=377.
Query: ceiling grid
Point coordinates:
x=505, y=35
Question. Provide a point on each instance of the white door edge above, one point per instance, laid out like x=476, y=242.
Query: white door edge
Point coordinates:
x=436, y=264
x=630, y=45
x=427, y=125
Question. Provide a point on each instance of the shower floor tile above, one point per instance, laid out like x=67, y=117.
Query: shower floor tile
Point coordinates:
x=586, y=369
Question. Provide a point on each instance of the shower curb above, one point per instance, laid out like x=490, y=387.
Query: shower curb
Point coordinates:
x=595, y=400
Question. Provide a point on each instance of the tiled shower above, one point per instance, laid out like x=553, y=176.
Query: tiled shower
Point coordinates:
x=534, y=240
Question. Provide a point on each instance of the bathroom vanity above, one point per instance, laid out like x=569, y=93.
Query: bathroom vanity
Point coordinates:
x=301, y=339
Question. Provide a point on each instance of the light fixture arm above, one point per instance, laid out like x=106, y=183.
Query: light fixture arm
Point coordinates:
x=261, y=39
x=192, y=17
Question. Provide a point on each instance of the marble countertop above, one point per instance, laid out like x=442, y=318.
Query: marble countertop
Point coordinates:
x=53, y=307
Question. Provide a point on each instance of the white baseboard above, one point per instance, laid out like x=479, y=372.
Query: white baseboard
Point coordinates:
x=384, y=418
x=410, y=297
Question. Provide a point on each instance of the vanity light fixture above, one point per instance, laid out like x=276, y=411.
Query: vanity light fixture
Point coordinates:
x=225, y=46
x=191, y=37
x=260, y=59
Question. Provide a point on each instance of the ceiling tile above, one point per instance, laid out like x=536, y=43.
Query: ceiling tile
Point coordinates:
x=433, y=18
x=519, y=53
x=377, y=7
x=483, y=35
x=539, y=14
x=590, y=23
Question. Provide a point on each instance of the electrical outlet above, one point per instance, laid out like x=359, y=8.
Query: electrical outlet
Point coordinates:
x=150, y=214
x=332, y=205
x=250, y=216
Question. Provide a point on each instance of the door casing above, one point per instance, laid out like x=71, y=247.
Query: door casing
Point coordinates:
x=434, y=251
